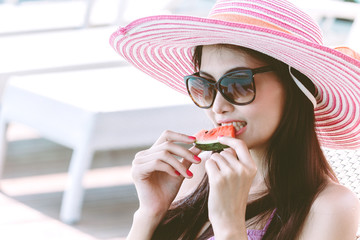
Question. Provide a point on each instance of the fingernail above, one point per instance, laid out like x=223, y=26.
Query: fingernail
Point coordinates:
x=177, y=173
x=192, y=138
x=197, y=158
x=190, y=174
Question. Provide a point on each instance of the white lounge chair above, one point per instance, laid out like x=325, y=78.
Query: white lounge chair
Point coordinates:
x=94, y=110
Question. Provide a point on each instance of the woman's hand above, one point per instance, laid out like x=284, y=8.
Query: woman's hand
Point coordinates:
x=158, y=172
x=231, y=174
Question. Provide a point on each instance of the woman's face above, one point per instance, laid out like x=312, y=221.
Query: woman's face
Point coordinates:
x=262, y=116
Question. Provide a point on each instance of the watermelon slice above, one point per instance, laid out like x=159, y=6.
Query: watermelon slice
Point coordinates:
x=207, y=139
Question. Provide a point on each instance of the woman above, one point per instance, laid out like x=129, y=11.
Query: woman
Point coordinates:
x=260, y=66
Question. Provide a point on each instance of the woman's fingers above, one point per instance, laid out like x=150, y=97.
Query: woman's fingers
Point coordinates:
x=167, y=156
x=233, y=161
x=170, y=136
x=195, y=151
x=222, y=163
x=241, y=150
x=156, y=161
x=212, y=169
x=160, y=166
x=167, y=142
x=231, y=157
x=175, y=149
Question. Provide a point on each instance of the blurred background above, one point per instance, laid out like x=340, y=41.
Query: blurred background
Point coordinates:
x=55, y=55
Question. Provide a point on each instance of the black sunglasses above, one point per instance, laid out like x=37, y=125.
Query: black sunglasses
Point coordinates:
x=236, y=86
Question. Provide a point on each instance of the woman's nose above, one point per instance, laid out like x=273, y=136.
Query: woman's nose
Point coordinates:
x=221, y=105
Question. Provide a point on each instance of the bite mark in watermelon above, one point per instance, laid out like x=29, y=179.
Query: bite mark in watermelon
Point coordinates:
x=207, y=140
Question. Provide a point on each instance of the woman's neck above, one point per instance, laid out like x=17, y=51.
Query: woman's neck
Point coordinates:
x=259, y=185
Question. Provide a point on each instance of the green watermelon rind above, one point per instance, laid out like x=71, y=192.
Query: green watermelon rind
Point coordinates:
x=211, y=146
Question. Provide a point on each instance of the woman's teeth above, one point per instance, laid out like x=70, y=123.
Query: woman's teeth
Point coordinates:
x=237, y=125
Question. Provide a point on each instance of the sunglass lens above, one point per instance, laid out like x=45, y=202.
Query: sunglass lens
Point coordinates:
x=238, y=87
x=201, y=92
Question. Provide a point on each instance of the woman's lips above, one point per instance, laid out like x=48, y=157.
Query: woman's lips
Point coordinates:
x=241, y=130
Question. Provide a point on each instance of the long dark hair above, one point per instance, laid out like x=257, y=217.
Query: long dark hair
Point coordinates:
x=297, y=170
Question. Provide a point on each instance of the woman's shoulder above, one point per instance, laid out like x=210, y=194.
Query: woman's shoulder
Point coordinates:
x=335, y=197
x=335, y=213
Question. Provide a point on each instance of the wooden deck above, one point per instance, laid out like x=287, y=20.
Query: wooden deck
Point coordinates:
x=32, y=187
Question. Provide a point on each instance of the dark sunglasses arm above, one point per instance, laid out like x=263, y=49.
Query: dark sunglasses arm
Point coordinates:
x=262, y=69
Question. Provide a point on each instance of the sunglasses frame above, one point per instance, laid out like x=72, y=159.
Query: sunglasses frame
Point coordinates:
x=216, y=84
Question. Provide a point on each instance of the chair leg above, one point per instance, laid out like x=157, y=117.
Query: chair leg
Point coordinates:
x=71, y=207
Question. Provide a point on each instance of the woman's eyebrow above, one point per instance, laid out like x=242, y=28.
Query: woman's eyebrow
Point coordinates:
x=206, y=74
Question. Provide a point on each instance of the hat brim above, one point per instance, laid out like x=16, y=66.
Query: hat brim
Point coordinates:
x=162, y=46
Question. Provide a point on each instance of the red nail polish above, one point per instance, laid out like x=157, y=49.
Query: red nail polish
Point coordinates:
x=177, y=173
x=190, y=174
x=192, y=138
x=197, y=158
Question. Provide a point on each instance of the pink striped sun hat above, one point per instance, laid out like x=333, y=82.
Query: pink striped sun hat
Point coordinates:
x=162, y=46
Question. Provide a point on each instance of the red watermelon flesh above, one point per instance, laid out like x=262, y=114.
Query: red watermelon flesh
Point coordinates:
x=207, y=139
